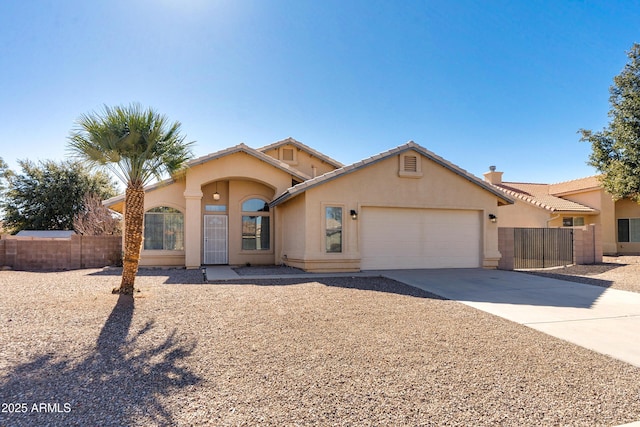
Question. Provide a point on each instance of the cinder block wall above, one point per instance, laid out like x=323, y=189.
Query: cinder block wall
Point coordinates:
x=587, y=244
x=505, y=246
x=60, y=254
x=98, y=251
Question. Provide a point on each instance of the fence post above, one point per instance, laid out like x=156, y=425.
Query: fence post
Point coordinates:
x=506, y=248
x=75, y=252
x=11, y=252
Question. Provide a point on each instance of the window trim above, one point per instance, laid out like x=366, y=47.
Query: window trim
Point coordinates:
x=629, y=227
x=573, y=221
x=163, y=250
x=263, y=214
x=325, y=229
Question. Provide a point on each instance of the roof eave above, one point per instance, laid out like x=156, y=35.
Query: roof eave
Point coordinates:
x=300, y=145
x=345, y=170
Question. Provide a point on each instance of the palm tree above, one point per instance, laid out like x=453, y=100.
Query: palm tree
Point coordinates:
x=137, y=145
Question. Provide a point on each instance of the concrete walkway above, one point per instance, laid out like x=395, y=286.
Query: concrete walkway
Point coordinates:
x=600, y=319
x=219, y=273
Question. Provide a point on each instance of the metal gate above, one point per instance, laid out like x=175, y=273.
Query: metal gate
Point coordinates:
x=215, y=239
x=542, y=247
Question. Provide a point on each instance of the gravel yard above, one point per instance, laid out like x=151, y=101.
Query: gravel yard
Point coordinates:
x=340, y=351
x=621, y=272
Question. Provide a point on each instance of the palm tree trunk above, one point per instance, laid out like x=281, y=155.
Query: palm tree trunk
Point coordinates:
x=133, y=223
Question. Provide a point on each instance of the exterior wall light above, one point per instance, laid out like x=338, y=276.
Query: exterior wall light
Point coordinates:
x=354, y=214
x=493, y=218
x=216, y=195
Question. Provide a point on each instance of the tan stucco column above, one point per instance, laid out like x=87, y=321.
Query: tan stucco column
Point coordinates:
x=491, y=252
x=192, y=228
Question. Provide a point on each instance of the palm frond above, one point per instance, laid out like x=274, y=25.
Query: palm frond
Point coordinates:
x=136, y=144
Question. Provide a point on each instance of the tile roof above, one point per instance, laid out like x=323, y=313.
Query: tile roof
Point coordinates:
x=218, y=154
x=252, y=152
x=304, y=186
x=576, y=185
x=300, y=145
x=539, y=195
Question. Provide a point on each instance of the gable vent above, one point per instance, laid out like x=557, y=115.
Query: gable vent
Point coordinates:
x=410, y=164
x=287, y=154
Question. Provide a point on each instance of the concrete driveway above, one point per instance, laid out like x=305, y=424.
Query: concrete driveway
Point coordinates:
x=600, y=319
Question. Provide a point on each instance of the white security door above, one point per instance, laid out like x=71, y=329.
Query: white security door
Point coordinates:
x=215, y=239
x=395, y=238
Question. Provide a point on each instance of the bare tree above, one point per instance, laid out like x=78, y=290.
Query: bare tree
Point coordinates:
x=95, y=219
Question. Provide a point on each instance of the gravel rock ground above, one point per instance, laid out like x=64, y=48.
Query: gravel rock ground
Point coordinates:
x=334, y=352
x=621, y=272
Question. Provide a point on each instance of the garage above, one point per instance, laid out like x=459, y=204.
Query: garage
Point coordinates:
x=394, y=238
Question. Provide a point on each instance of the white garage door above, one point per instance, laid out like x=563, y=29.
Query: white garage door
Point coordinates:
x=394, y=238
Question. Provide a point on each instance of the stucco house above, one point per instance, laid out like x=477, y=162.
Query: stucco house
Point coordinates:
x=568, y=204
x=287, y=203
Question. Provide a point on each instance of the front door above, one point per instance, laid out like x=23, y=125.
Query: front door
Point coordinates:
x=215, y=239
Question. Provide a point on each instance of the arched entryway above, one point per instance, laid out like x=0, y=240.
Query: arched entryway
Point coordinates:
x=237, y=222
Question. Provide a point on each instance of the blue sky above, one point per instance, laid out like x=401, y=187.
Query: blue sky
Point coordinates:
x=480, y=83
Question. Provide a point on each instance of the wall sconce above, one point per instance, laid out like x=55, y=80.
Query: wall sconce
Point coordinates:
x=216, y=195
x=354, y=214
x=493, y=218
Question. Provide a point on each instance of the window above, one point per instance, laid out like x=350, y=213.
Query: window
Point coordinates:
x=256, y=234
x=215, y=208
x=629, y=230
x=163, y=229
x=333, y=228
x=573, y=221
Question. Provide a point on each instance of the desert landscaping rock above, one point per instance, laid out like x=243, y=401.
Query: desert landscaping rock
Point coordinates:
x=621, y=272
x=340, y=351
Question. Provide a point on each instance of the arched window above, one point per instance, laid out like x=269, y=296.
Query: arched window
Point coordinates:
x=255, y=225
x=163, y=229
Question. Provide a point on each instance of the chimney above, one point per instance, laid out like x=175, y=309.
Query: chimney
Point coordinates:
x=492, y=176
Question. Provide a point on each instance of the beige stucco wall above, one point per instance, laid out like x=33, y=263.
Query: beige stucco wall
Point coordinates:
x=379, y=185
x=171, y=196
x=240, y=192
x=238, y=165
x=602, y=201
x=303, y=161
x=523, y=214
x=291, y=231
x=556, y=221
x=247, y=176
x=240, y=177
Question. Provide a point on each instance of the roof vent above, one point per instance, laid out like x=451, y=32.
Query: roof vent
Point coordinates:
x=492, y=168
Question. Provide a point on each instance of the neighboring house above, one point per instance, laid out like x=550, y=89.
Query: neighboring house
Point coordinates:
x=568, y=204
x=288, y=203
